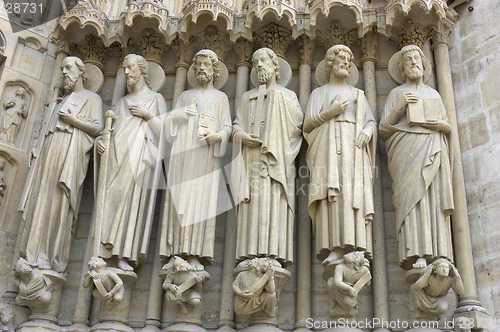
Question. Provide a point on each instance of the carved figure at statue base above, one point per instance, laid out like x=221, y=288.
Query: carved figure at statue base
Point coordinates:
x=350, y=275
x=415, y=129
x=35, y=289
x=183, y=283
x=108, y=285
x=3, y=179
x=7, y=320
x=255, y=288
x=15, y=111
x=428, y=294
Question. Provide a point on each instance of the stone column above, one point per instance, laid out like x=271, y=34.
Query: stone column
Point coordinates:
x=303, y=308
x=369, y=50
x=243, y=49
x=183, y=54
x=120, y=89
x=469, y=306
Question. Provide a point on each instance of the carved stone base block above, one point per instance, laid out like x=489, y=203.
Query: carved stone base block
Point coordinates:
x=114, y=315
x=44, y=319
x=188, y=322
x=476, y=317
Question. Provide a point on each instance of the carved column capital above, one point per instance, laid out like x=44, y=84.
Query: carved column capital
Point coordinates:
x=306, y=48
x=60, y=44
x=336, y=35
x=243, y=49
x=184, y=53
x=411, y=34
x=214, y=40
x=91, y=49
x=275, y=37
x=369, y=47
x=150, y=45
x=442, y=32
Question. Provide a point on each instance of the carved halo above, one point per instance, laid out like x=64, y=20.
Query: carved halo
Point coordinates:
x=219, y=84
x=285, y=74
x=396, y=75
x=321, y=78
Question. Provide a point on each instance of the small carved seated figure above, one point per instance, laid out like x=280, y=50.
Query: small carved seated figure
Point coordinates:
x=348, y=279
x=428, y=293
x=183, y=283
x=7, y=315
x=108, y=285
x=35, y=289
x=255, y=289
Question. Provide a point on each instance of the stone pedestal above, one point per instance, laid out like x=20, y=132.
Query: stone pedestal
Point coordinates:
x=45, y=318
x=114, y=315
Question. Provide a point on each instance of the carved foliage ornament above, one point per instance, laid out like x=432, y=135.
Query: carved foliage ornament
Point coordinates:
x=369, y=46
x=150, y=45
x=306, y=49
x=337, y=35
x=274, y=37
x=411, y=34
x=214, y=40
x=243, y=49
x=93, y=49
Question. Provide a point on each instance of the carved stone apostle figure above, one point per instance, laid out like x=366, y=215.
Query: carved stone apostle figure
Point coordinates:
x=341, y=132
x=108, y=285
x=428, y=293
x=53, y=190
x=35, y=289
x=414, y=127
x=133, y=151
x=349, y=277
x=15, y=110
x=199, y=128
x=267, y=130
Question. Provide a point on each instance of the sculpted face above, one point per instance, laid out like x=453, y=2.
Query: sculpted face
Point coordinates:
x=21, y=92
x=132, y=72
x=340, y=64
x=264, y=65
x=412, y=64
x=204, y=69
x=71, y=73
x=443, y=270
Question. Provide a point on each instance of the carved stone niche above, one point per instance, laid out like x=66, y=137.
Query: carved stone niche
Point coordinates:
x=16, y=104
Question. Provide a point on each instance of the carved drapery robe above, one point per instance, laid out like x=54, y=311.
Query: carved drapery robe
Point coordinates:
x=52, y=195
x=264, y=182
x=132, y=157
x=15, y=111
x=419, y=164
x=188, y=225
x=340, y=218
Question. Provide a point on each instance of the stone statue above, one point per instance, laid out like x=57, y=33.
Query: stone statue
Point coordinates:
x=428, y=293
x=15, y=110
x=3, y=178
x=341, y=132
x=35, y=289
x=133, y=153
x=108, y=285
x=267, y=131
x=58, y=173
x=183, y=283
x=255, y=288
x=7, y=318
x=414, y=127
x=349, y=277
x=199, y=128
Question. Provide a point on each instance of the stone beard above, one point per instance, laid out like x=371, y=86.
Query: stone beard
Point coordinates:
x=265, y=184
x=130, y=172
x=51, y=201
x=419, y=164
x=188, y=225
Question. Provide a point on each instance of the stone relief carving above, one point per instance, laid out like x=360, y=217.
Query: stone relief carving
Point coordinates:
x=411, y=34
x=255, y=288
x=336, y=35
x=35, y=289
x=150, y=45
x=199, y=128
x=415, y=129
x=108, y=285
x=264, y=181
x=341, y=132
x=274, y=37
x=183, y=283
x=7, y=316
x=3, y=179
x=428, y=293
x=351, y=274
x=125, y=226
x=16, y=109
x=58, y=172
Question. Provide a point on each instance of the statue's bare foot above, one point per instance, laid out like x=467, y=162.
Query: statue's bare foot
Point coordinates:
x=184, y=309
x=421, y=263
x=334, y=256
x=44, y=265
x=195, y=263
x=124, y=265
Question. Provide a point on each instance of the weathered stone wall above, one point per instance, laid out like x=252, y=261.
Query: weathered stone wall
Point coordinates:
x=475, y=60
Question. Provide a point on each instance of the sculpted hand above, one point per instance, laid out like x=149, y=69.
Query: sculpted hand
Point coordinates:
x=108, y=296
x=173, y=288
x=94, y=275
x=141, y=112
x=182, y=114
x=352, y=293
x=364, y=137
x=250, y=141
x=339, y=104
x=100, y=145
x=405, y=100
x=68, y=116
x=213, y=138
x=437, y=125
x=199, y=278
